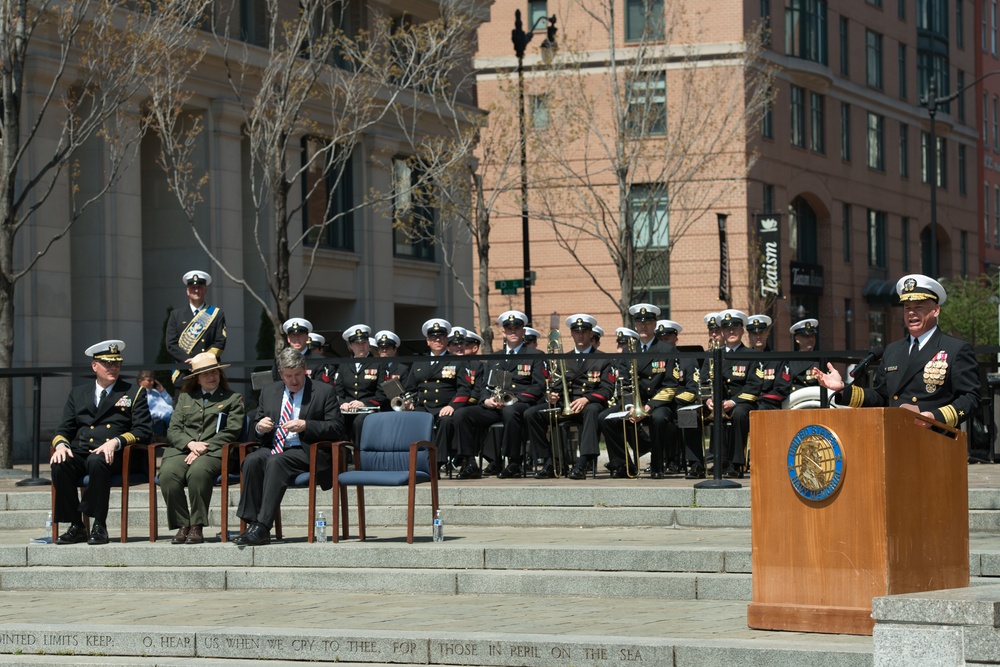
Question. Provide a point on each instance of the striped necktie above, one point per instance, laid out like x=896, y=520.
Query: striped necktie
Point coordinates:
x=281, y=433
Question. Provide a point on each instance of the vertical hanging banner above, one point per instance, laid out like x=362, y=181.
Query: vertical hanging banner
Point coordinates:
x=723, y=259
x=769, y=254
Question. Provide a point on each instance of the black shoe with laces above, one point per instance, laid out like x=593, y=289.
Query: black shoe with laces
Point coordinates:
x=75, y=534
x=98, y=534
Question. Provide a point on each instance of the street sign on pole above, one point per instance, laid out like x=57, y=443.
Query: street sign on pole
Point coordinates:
x=509, y=290
x=509, y=284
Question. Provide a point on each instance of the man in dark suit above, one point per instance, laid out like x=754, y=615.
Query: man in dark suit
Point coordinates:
x=196, y=327
x=99, y=419
x=292, y=414
x=928, y=372
x=524, y=385
x=588, y=386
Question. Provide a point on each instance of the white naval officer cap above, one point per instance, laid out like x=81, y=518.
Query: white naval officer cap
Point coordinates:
x=197, y=278
x=917, y=287
x=297, y=325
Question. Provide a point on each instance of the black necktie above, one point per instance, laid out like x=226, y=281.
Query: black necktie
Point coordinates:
x=104, y=394
x=914, y=349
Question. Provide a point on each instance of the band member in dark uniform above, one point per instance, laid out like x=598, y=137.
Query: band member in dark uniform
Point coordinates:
x=358, y=379
x=588, y=388
x=504, y=402
x=928, y=372
x=387, y=344
x=800, y=371
x=99, y=419
x=438, y=384
x=195, y=328
x=297, y=330
x=740, y=390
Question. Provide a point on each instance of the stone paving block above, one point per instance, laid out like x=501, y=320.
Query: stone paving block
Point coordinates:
x=160, y=554
x=355, y=554
x=357, y=580
x=984, y=499
x=767, y=654
x=545, y=651
x=699, y=517
x=906, y=645
x=112, y=577
x=738, y=561
x=65, y=639
x=979, y=605
x=980, y=643
x=559, y=516
x=984, y=521
x=989, y=564
x=311, y=645
x=27, y=501
x=13, y=556
x=623, y=558
x=725, y=587
x=595, y=585
x=721, y=497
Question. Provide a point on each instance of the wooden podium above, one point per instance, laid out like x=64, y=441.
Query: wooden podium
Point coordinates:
x=897, y=523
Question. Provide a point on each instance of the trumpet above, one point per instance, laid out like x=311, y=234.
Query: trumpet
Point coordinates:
x=399, y=399
x=402, y=402
x=367, y=410
x=498, y=382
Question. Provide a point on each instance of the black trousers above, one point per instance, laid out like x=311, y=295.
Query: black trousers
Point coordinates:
x=97, y=493
x=266, y=476
x=655, y=436
x=444, y=432
x=589, y=420
x=470, y=421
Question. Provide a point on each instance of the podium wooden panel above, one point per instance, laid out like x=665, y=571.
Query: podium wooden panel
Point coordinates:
x=898, y=523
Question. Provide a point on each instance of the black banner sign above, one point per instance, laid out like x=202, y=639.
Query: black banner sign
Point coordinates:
x=769, y=254
x=723, y=259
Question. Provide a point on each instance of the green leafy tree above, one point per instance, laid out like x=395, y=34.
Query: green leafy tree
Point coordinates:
x=970, y=311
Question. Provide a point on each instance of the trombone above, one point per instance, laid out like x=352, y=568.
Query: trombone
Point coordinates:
x=632, y=412
x=555, y=436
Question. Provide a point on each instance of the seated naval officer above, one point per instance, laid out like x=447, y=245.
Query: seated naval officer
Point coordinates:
x=587, y=386
x=438, y=384
x=358, y=379
x=740, y=389
x=297, y=330
x=387, y=344
x=502, y=402
x=99, y=419
x=800, y=371
x=928, y=371
x=531, y=337
x=684, y=379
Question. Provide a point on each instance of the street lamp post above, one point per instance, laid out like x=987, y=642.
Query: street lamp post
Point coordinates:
x=520, y=38
x=933, y=102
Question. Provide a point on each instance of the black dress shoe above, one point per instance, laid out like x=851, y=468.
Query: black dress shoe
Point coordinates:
x=74, y=535
x=256, y=536
x=98, y=534
x=492, y=469
x=546, y=472
x=470, y=471
x=512, y=470
x=656, y=475
x=577, y=473
x=731, y=472
x=695, y=472
x=617, y=473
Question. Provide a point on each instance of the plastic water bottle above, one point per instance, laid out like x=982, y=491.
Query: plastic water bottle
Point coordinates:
x=48, y=524
x=320, y=527
x=438, y=533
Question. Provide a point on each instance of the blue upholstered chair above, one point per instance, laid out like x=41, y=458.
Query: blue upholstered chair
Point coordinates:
x=395, y=450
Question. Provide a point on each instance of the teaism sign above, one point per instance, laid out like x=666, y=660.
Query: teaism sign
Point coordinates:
x=768, y=254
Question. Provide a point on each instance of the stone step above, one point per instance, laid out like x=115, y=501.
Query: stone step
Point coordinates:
x=378, y=629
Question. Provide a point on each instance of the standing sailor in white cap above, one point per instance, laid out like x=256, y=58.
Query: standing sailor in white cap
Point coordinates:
x=928, y=371
x=99, y=419
x=196, y=327
x=298, y=331
x=358, y=380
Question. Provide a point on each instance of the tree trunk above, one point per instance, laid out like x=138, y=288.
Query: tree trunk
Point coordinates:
x=482, y=222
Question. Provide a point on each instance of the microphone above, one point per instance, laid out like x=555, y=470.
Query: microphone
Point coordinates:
x=874, y=354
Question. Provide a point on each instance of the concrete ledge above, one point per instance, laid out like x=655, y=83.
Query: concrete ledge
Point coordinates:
x=616, y=558
x=355, y=554
x=110, y=578
x=737, y=561
x=359, y=580
x=701, y=517
x=13, y=556
x=725, y=587
x=957, y=606
x=160, y=554
x=71, y=644
x=614, y=584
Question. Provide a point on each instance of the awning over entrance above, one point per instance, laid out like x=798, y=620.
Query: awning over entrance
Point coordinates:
x=880, y=291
